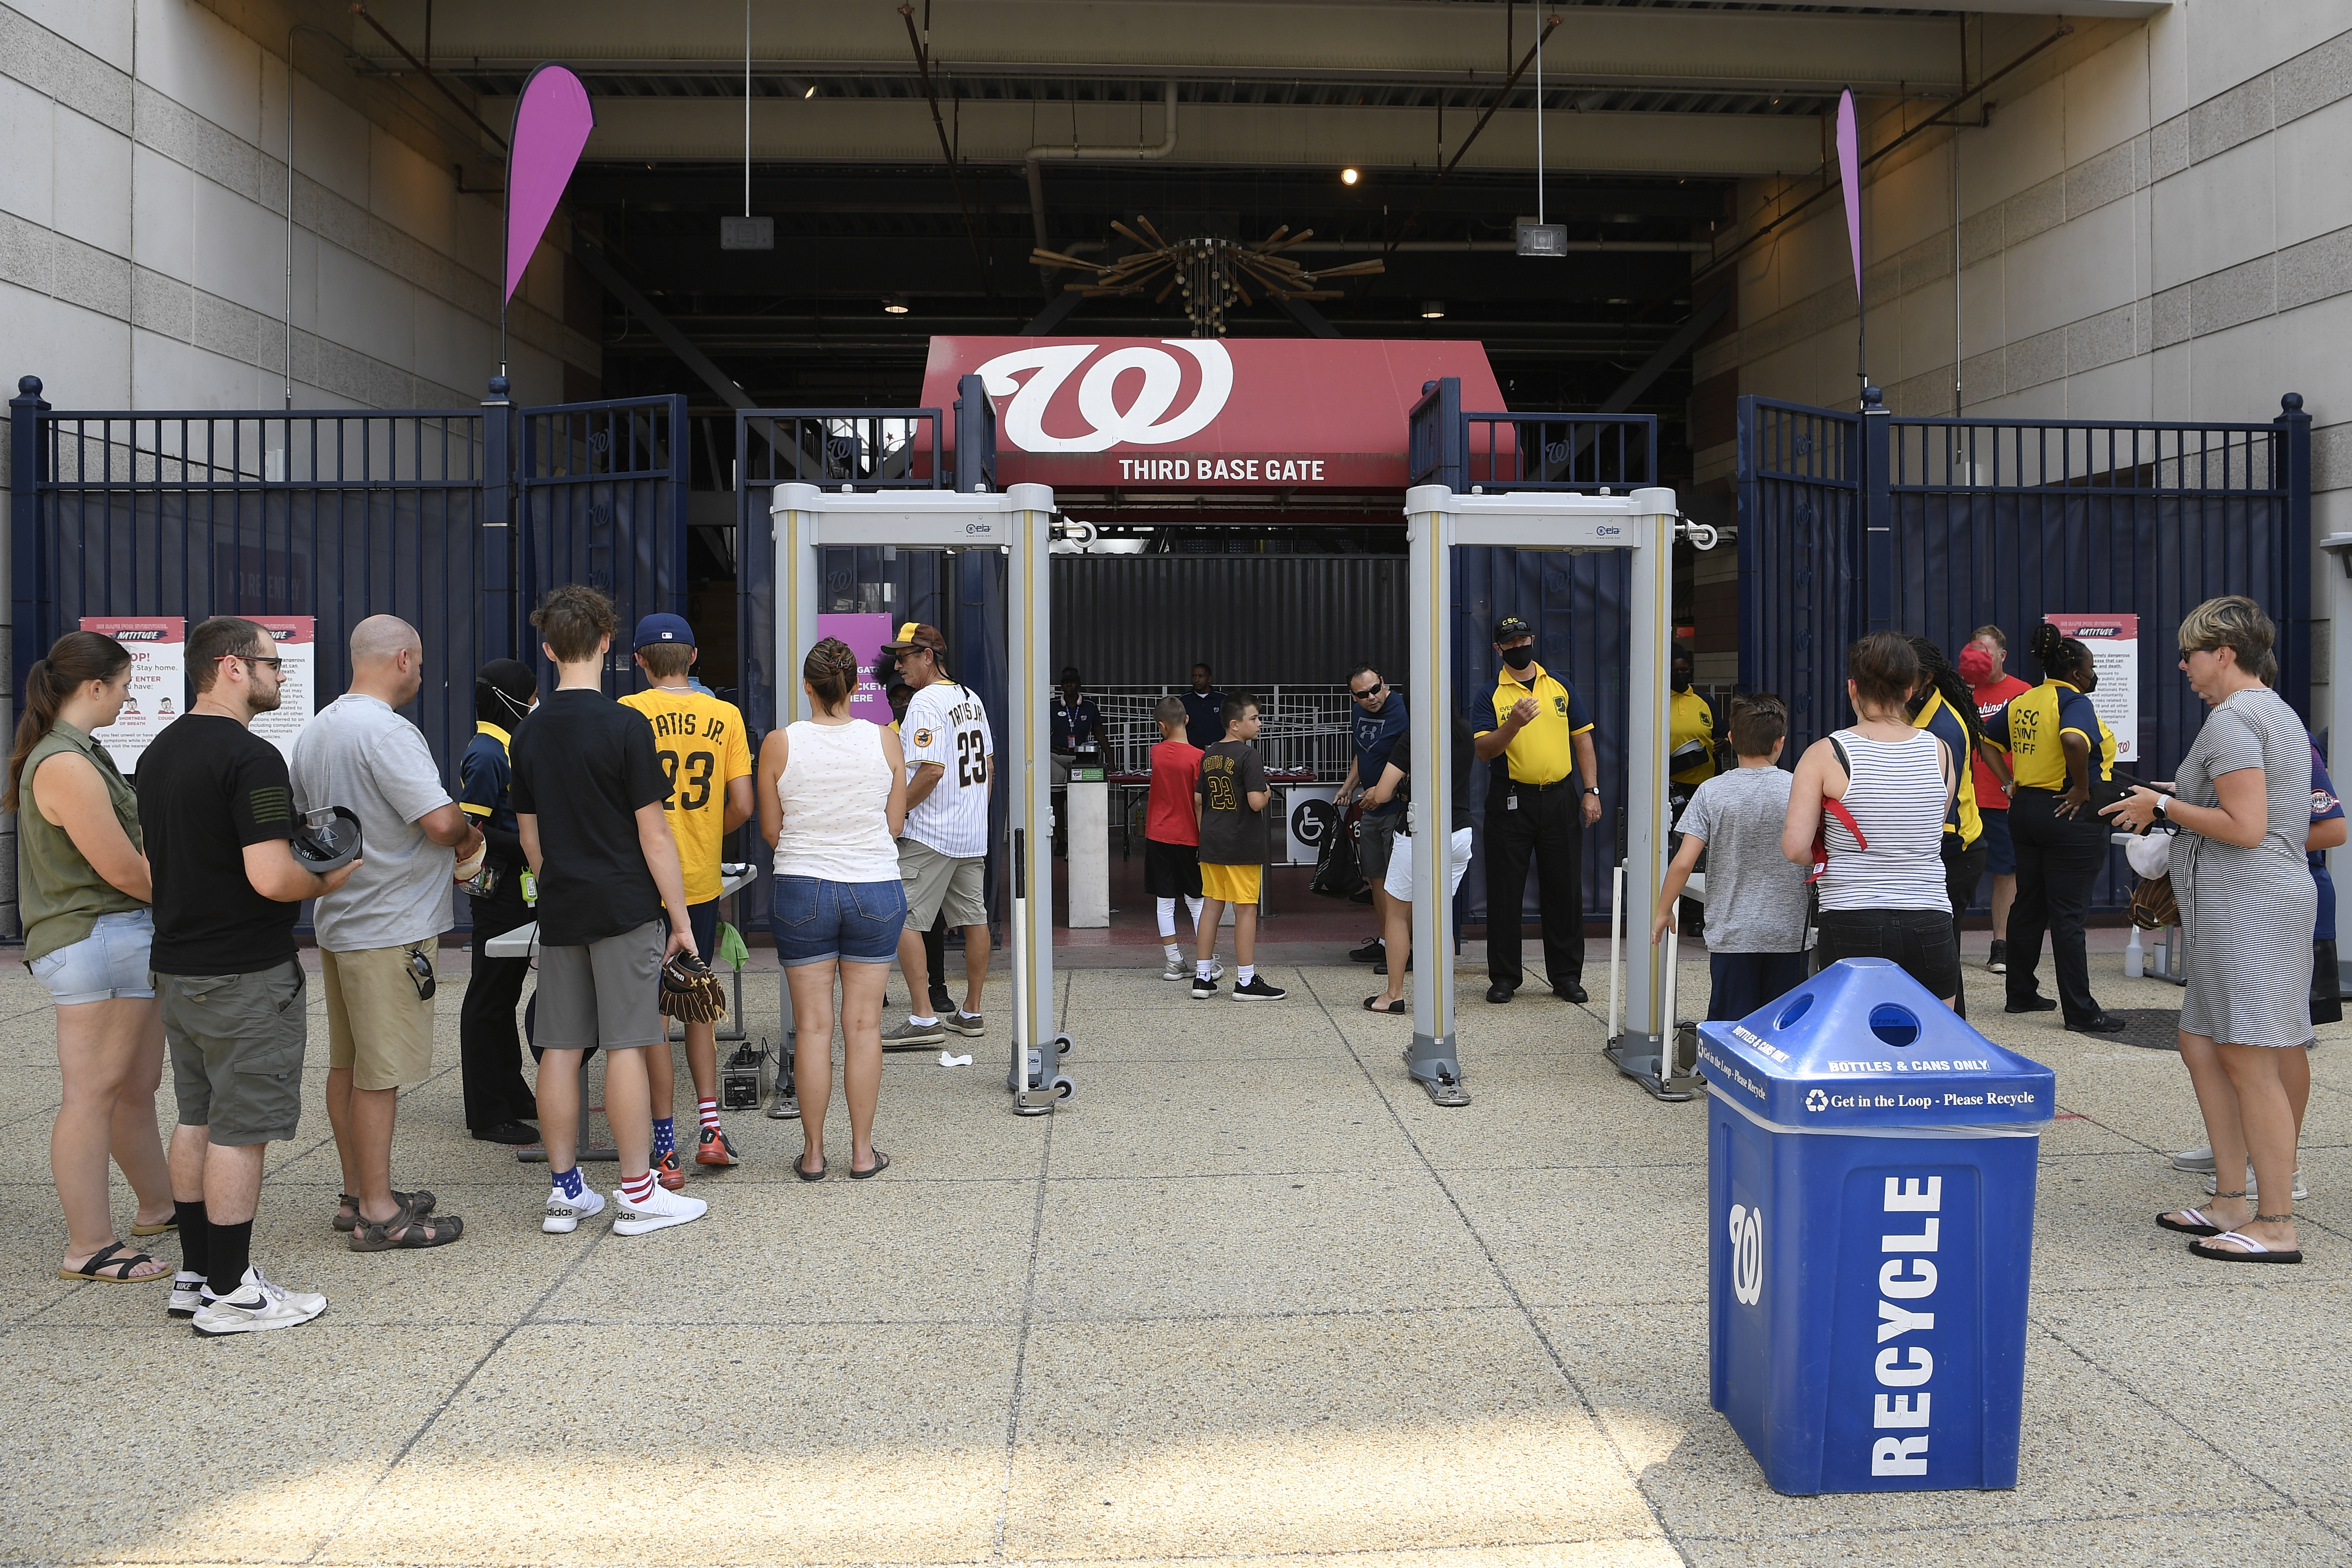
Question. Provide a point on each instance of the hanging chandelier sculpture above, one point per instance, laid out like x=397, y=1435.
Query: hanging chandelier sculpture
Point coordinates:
x=1212, y=273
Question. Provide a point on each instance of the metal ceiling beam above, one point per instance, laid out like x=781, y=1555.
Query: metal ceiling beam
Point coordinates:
x=898, y=130
x=1799, y=50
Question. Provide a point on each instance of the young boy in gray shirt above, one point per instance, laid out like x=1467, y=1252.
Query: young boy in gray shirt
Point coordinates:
x=1755, y=896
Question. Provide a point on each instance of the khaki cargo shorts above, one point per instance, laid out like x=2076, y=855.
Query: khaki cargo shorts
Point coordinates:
x=378, y=1026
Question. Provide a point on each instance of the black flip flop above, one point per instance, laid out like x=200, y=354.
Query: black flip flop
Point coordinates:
x=112, y=1265
x=2255, y=1251
x=808, y=1175
x=881, y=1164
x=2198, y=1225
x=1373, y=1004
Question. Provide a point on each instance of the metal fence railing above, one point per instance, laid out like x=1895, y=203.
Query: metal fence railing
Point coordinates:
x=1303, y=729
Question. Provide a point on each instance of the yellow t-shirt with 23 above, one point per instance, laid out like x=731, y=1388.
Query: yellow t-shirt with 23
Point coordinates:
x=703, y=748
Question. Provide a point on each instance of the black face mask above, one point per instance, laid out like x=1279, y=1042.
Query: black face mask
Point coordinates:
x=1682, y=680
x=1521, y=657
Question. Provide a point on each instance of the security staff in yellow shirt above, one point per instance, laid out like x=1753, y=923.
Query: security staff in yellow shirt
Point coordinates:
x=1944, y=705
x=1533, y=732
x=2058, y=745
x=1690, y=731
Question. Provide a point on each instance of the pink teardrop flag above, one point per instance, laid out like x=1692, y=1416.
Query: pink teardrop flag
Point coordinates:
x=1849, y=151
x=552, y=121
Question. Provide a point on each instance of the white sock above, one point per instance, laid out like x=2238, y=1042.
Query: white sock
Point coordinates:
x=920, y=1023
x=962, y=1014
x=1193, y=905
x=1167, y=920
x=1175, y=954
x=1245, y=974
x=1201, y=969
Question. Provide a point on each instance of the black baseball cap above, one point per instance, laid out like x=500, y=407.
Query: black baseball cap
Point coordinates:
x=1511, y=626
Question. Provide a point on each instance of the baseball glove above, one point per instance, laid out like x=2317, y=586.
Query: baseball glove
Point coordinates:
x=689, y=992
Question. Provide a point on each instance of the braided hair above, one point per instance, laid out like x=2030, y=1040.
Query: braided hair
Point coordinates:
x=2061, y=657
x=831, y=671
x=1938, y=673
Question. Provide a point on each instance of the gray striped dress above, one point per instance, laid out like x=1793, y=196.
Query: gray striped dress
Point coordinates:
x=2248, y=913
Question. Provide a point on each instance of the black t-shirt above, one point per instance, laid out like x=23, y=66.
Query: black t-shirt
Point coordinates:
x=1465, y=747
x=208, y=786
x=1231, y=832
x=583, y=765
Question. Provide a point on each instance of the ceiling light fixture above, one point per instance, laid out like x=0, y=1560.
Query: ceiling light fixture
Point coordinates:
x=894, y=304
x=1433, y=310
x=1348, y=176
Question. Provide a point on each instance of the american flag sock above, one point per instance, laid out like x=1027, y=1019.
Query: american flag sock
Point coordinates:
x=709, y=1110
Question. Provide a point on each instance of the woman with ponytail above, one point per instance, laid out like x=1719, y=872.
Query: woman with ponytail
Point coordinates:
x=832, y=799
x=83, y=887
x=2057, y=744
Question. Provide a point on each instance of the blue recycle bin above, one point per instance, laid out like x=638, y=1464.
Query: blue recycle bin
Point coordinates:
x=1870, y=1183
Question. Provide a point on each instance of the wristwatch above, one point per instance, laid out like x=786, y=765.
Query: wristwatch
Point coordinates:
x=2163, y=806
x=1593, y=789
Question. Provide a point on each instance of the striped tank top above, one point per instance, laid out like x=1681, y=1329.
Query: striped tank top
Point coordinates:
x=1896, y=795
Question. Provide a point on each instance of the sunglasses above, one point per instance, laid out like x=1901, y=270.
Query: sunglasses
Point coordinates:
x=252, y=658
x=420, y=974
x=1369, y=692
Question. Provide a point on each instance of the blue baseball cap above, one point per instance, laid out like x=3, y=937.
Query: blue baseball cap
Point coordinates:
x=663, y=628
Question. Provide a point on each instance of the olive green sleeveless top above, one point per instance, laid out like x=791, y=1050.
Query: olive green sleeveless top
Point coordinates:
x=58, y=895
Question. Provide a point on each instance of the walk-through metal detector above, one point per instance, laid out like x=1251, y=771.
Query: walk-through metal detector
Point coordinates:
x=1646, y=523
x=1021, y=522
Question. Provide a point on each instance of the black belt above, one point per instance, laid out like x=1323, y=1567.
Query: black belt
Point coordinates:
x=1544, y=788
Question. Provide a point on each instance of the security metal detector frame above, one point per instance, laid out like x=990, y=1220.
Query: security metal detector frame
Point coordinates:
x=1644, y=523
x=1021, y=521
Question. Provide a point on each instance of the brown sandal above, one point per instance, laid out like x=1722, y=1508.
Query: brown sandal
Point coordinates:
x=112, y=1265
x=406, y=1231
x=418, y=1202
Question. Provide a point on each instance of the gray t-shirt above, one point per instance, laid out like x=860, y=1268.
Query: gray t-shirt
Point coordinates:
x=1754, y=894
x=359, y=754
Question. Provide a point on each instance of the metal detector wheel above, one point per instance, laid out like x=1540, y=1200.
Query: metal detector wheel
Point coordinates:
x=1061, y=1043
x=1443, y=1084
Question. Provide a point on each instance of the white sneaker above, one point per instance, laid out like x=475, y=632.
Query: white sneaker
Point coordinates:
x=663, y=1209
x=258, y=1306
x=2253, y=1188
x=187, y=1295
x=1182, y=970
x=565, y=1214
x=2194, y=1159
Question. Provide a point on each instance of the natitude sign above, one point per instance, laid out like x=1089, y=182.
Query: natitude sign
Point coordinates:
x=1195, y=414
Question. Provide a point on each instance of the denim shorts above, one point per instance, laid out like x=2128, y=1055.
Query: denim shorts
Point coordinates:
x=816, y=921
x=107, y=964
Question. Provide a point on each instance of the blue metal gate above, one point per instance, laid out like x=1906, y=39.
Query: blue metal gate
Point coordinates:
x=1851, y=523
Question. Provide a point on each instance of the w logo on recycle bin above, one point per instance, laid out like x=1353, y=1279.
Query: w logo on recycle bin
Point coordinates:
x=1747, y=1254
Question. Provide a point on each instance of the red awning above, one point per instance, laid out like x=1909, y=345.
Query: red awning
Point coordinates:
x=1192, y=414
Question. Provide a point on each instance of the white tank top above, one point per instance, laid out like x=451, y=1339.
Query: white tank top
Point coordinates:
x=1894, y=794
x=835, y=794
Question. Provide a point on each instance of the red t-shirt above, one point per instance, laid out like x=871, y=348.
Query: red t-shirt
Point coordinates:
x=1175, y=778
x=1990, y=700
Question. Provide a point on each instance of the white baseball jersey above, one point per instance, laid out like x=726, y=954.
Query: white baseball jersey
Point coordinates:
x=946, y=724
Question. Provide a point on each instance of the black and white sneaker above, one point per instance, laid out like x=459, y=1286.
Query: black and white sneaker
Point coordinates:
x=1997, y=959
x=259, y=1305
x=1255, y=989
x=1203, y=988
x=1372, y=951
x=187, y=1295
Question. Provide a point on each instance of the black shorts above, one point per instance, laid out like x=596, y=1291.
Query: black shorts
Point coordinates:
x=1921, y=942
x=1171, y=871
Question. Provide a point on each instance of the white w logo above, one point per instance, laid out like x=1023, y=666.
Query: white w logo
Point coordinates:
x=1747, y=1254
x=1140, y=424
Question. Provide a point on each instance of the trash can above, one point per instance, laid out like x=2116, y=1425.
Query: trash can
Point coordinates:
x=1870, y=1183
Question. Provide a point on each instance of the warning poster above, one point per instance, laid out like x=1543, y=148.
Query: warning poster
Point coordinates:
x=2114, y=642
x=159, y=687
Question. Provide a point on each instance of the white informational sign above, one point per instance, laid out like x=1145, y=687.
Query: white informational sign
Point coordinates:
x=298, y=679
x=2114, y=642
x=159, y=685
x=1304, y=840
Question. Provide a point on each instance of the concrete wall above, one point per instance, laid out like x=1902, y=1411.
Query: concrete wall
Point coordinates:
x=2156, y=224
x=142, y=228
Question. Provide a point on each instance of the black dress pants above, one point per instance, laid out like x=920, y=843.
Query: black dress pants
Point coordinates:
x=490, y=1050
x=1963, y=870
x=2058, y=859
x=1545, y=825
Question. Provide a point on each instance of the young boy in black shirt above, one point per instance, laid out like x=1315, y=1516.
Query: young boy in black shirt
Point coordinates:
x=1231, y=803
x=589, y=794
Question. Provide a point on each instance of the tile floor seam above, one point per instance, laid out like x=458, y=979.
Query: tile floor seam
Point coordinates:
x=2286, y=1497
x=1842, y=1530
x=465, y=1381
x=1021, y=1339
x=1584, y=1398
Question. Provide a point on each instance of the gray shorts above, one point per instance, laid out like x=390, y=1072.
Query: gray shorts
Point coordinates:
x=236, y=1044
x=937, y=882
x=605, y=994
x=1378, y=841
